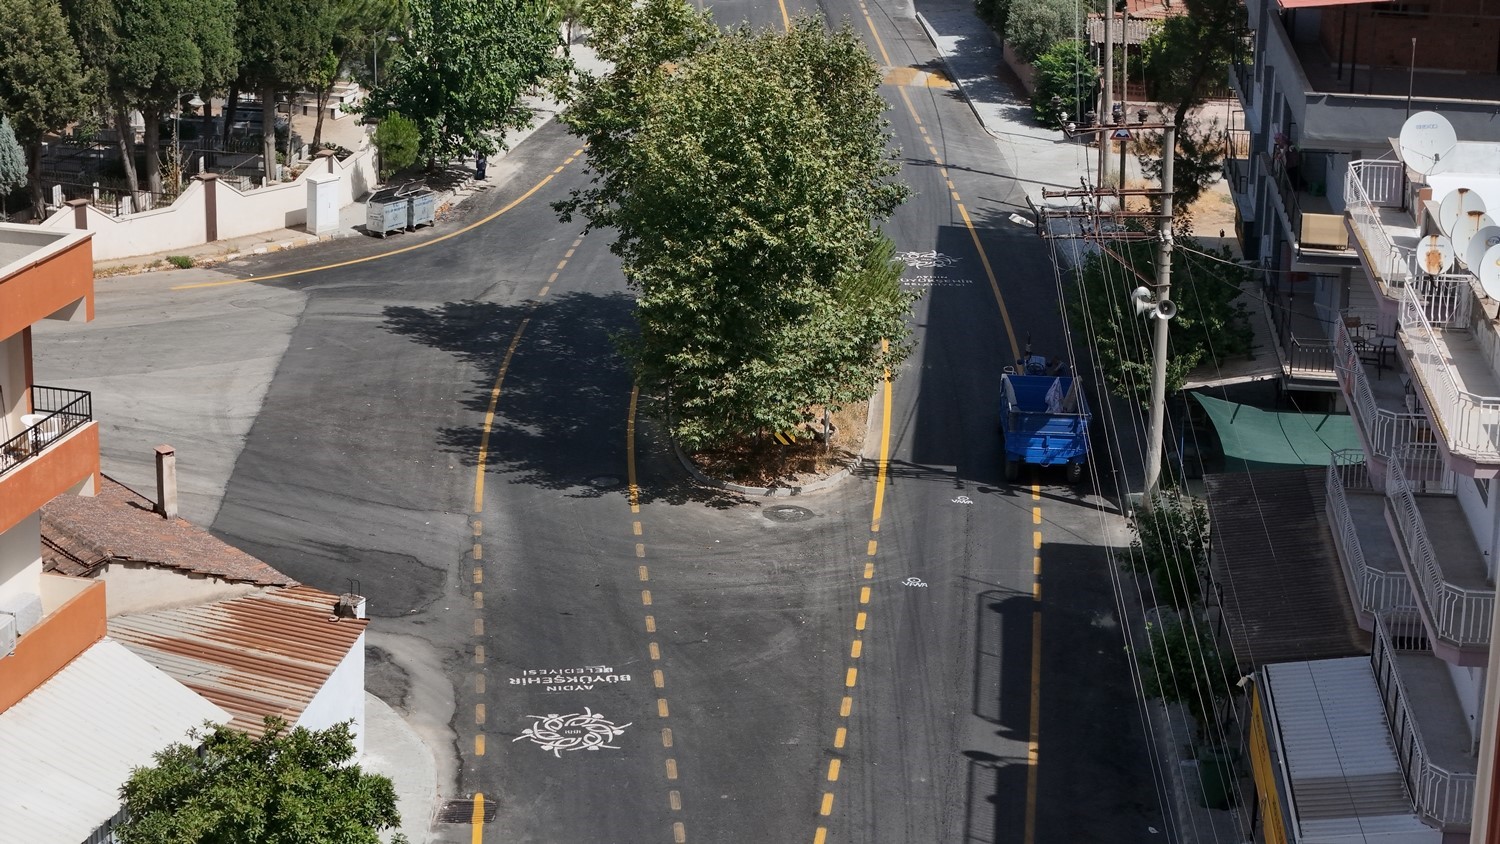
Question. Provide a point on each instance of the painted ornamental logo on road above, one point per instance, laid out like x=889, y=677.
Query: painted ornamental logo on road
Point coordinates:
x=926, y=260
x=579, y=731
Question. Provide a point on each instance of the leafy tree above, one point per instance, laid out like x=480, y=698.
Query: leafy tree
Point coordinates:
x=397, y=139
x=1185, y=666
x=12, y=159
x=1196, y=164
x=360, y=27
x=1066, y=72
x=570, y=11
x=744, y=174
x=464, y=68
x=1171, y=544
x=994, y=12
x=293, y=786
x=41, y=80
x=282, y=45
x=1034, y=26
x=1209, y=327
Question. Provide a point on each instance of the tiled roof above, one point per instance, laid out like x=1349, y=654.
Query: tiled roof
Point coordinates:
x=1276, y=569
x=264, y=654
x=81, y=533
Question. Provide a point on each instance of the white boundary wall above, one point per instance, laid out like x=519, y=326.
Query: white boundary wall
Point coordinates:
x=183, y=223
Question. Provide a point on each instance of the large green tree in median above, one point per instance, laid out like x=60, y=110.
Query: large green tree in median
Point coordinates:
x=745, y=174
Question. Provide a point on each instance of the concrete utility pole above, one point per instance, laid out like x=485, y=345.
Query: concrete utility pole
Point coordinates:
x=1106, y=107
x=1161, y=314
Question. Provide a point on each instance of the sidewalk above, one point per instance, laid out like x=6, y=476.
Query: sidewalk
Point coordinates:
x=394, y=749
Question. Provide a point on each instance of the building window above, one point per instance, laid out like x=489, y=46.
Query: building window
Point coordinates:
x=1484, y=490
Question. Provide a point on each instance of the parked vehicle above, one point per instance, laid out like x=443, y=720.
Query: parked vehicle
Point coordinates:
x=1044, y=417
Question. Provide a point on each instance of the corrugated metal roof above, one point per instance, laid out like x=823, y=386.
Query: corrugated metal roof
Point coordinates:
x=1277, y=570
x=67, y=747
x=263, y=654
x=1346, y=782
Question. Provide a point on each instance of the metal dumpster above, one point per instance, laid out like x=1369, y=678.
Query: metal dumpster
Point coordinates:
x=423, y=207
x=387, y=211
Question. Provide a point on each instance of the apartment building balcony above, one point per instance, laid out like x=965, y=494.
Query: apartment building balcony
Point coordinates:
x=1427, y=722
x=1314, y=227
x=1455, y=597
x=1377, y=202
x=1450, y=356
x=1301, y=336
x=1367, y=552
x=50, y=449
x=1386, y=411
x=43, y=274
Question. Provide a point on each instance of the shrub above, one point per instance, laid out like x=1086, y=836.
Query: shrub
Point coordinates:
x=1035, y=26
x=398, y=140
x=181, y=262
x=1065, y=71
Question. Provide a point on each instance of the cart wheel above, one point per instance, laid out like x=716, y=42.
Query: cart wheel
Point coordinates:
x=1075, y=472
x=1012, y=470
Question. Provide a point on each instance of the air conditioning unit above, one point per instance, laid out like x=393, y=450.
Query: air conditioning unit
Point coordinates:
x=25, y=609
x=7, y=634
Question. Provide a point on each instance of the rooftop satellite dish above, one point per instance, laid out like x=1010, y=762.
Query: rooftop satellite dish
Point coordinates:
x=1489, y=272
x=1456, y=204
x=1464, y=230
x=1427, y=140
x=1479, y=244
x=1434, y=254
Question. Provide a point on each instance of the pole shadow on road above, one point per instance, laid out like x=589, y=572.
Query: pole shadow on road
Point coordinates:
x=1002, y=661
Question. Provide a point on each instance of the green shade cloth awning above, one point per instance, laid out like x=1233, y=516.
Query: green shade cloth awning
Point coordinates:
x=1270, y=437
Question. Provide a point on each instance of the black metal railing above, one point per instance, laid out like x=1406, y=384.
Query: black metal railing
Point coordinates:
x=54, y=413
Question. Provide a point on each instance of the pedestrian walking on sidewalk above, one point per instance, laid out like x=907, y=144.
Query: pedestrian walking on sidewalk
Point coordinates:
x=479, y=164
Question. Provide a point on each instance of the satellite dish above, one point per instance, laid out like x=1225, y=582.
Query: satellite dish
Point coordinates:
x=1427, y=142
x=1464, y=230
x=1456, y=204
x=1479, y=244
x=1434, y=254
x=1489, y=272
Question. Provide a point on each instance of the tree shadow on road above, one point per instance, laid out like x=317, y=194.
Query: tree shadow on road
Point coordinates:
x=561, y=413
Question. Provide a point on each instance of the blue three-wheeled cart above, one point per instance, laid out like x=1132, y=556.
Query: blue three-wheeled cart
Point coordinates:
x=1044, y=417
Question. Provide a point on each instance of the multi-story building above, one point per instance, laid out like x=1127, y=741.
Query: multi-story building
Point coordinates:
x=1334, y=215
x=77, y=710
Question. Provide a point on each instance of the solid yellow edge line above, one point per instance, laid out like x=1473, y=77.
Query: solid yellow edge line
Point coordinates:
x=884, y=56
x=630, y=477
x=489, y=417
x=786, y=21
x=423, y=245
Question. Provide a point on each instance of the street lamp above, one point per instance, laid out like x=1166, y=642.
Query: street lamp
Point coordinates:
x=196, y=102
x=375, y=55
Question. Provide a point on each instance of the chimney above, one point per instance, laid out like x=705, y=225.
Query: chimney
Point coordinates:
x=166, y=481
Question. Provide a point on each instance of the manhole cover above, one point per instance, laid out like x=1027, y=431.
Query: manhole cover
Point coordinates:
x=605, y=482
x=788, y=513
x=462, y=811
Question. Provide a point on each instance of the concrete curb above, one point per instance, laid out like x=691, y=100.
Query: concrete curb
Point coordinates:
x=786, y=492
x=953, y=72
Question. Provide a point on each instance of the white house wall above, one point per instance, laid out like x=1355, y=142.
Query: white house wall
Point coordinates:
x=342, y=698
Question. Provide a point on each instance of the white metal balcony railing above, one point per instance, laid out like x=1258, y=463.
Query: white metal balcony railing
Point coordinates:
x=1378, y=590
x=55, y=412
x=1441, y=795
x=1369, y=186
x=1385, y=430
x=1461, y=615
x=1470, y=422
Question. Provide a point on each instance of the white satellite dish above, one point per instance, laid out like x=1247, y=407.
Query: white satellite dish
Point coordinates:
x=1434, y=254
x=1464, y=230
x=1427, y=142
x=1479, y=244
x=1456, y=204
x=1489, y=272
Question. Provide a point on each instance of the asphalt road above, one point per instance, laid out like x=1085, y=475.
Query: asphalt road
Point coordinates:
x=450, y=429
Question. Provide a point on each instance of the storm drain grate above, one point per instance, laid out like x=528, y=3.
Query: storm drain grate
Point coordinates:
x=462, y=811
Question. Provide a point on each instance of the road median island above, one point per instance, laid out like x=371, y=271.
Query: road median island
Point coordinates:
x=770, y=466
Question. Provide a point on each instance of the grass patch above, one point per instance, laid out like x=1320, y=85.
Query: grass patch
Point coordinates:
x=181, y=262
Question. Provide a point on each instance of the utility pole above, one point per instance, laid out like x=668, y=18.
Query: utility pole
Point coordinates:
x=1156, y=299
x=1106, y=108
x=1163, y=295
